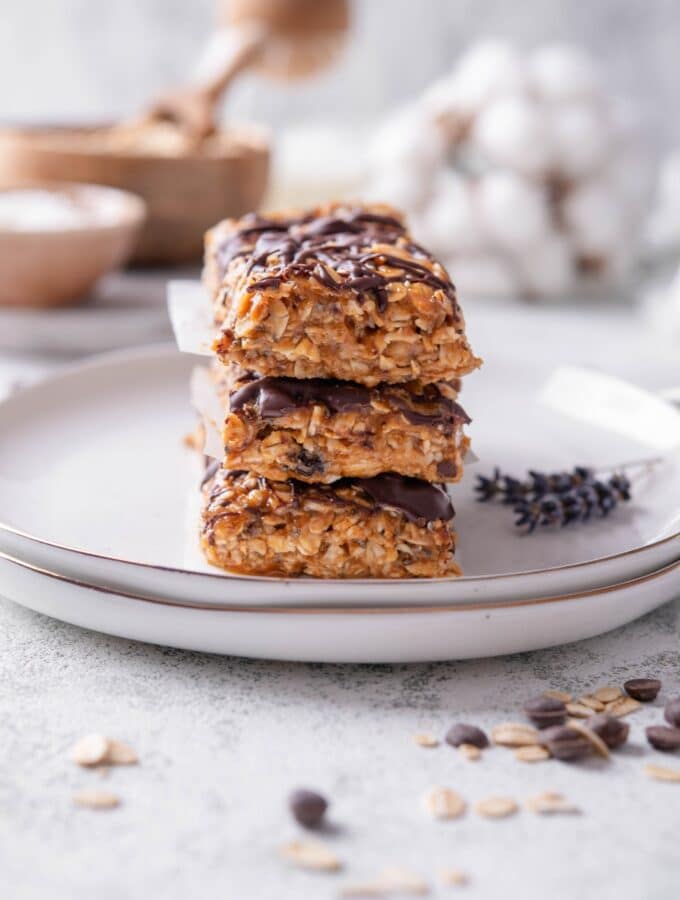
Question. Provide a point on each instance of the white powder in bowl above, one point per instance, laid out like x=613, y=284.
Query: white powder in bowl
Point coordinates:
x=38, y=209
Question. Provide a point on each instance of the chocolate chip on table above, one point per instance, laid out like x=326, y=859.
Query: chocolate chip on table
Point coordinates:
x=460, y=733
x=611, y=730
x=644, y=689
x=565, y=743
x=545, y=711
x=672, y=712
x=663, y=737
x=307, y=807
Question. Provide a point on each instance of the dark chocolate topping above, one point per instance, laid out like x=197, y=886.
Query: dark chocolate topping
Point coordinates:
x=418, y=500
x=305, y=246
x=279, y=396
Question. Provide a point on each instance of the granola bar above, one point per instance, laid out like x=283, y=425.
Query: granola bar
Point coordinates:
x=319, y=430
x=384, y=527
x=339, y=292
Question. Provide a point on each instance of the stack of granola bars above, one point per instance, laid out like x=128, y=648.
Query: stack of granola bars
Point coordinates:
x=340, y=345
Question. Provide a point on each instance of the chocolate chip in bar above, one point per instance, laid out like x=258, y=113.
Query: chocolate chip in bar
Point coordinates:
x=565, y=743
x=308, y=807
x=613, y=731
x=460, y=733
x=546, y=711
x=671, y=712
x=663, y=737
x=643, y=689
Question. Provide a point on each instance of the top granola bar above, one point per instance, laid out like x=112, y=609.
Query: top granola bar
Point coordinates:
x=341, y=291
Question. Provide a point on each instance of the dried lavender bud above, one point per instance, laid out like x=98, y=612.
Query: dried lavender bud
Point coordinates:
x=671, y=712
x=307, y=807
x=512, y=490
x=662, y=737
x=546, y=711
x=565, y=743
x=576, y=505
x=644, y=689
x=612, y=730
x=460, y=733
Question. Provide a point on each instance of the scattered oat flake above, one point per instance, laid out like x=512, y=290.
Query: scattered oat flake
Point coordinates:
x=90, y=750
x=496, y=807
x=94, y=799
x=443, y=803
x=595, y=740
x=469, y=751
x=403, y=881
x=607, y=694
x=532, y=753
x=120, y=754
x=591, y=702
x=622, y=707
x=426, y=740
x=578, y=710
x=550, y=803
x=365, y=889
x=662, y=773
x=514, y=734
x=559, y=695
x=311, y=855
x=453, y=877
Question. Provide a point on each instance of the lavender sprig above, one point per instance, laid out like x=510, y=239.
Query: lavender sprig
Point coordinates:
x=578, y=504
x=510, y=490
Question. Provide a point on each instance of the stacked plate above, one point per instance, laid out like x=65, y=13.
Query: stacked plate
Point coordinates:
x=98, y=527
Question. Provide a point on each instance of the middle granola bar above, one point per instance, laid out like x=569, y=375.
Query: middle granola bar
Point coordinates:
x=320, y=430
x=338, y=292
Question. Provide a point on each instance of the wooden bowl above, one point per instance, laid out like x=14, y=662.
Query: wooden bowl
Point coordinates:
x=185, y=192
x=57, y=267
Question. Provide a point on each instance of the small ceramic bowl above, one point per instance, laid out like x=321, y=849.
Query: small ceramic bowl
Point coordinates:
x=186, y=191
x=58, y=238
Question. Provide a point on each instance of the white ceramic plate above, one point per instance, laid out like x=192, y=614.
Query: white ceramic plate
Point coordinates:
x=373, y=634
x=96, y=484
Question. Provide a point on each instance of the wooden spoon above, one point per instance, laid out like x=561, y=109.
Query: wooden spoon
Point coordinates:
x=280, y=38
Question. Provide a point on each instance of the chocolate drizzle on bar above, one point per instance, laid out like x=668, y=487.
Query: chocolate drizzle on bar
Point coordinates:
x=418, y=500
x=329, y=246
x=276, y=397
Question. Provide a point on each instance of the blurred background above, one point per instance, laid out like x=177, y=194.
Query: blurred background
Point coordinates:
x=533, y=147
x=74, y=59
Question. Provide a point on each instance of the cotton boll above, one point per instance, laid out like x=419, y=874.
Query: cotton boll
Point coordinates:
x=631, y=175
x=560, y=72
x=663, y=227
x=406, y=139
x=581, y=138
x=484, y=274
x=513, y=211
x=488, y=69
x=402, y=187
x=442, y=98
x=669, y=179
x=595, y=216
x=449, y=223
x=546, y=269
x=512, y=132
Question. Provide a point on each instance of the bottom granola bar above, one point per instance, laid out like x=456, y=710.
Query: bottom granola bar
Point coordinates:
x=383, y=527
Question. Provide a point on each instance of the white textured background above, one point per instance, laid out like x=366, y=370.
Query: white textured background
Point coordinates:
x=71, y=58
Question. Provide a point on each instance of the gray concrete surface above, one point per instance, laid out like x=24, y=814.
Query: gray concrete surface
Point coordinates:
x=222, y=741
